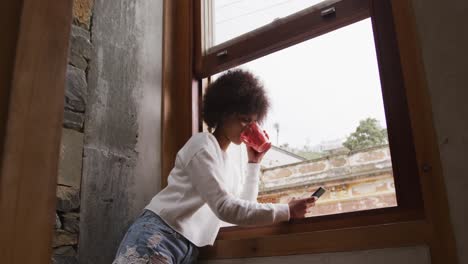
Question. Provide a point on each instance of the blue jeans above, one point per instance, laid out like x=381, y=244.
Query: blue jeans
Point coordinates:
x=151, y=240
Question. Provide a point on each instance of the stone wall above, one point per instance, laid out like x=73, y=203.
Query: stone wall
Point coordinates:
x=355, y=181
x=122, y=143
x=65, y=242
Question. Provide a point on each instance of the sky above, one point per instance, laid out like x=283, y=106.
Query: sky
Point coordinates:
x=321, y=88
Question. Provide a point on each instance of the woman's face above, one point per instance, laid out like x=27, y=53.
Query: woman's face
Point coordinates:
x=235, y=124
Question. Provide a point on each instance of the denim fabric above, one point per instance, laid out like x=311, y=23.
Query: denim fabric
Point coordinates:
x=151, y=240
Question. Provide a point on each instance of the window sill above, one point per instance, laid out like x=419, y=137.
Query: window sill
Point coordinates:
x=324, y=223
x=389, y=227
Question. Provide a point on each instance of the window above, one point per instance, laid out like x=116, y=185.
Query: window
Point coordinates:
x=232, y=18
x=186, y=66
x=309, y=25
x=321, y=89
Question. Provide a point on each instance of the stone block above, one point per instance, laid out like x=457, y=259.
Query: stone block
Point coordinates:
x=109, y=205
x=76, y=89
x=77, y=31
x=58, y=223
x=71, y=222
x=71, y=158
x=338, y=161
x=372, y=156
x=64, y=260
x=73, y=120
x=81, y=46
x=68, y=199
x=64, y=238
x=312, y=167
x=282, y=173
x=77, y=61
x=64, y=251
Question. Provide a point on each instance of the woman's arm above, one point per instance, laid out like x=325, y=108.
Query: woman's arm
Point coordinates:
x=250, y=186
x=252, y=175
x=205, y=174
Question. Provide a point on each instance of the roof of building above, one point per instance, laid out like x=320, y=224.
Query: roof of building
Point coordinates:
x=288, y=153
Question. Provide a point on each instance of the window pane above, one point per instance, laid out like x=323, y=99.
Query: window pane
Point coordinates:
x=232, y=18
x=327, y=124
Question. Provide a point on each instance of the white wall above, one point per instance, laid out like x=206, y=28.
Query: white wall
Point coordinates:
x=443, y=32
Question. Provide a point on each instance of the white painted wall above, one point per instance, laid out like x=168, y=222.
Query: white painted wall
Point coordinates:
x=443, y=32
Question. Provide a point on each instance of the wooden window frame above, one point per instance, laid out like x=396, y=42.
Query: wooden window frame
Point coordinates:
x=309, y=24
x=421, y=217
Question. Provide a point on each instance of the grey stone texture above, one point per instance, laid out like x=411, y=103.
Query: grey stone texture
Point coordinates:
x=64, y=255
x=71, y=156
x=68, y=198
x=77, y=60
x=107, y=211
x=81, y=48
x=64, y=238
x=76, y=89
x=80, y=42
x=77, y=31
x=121, y=161
x=58, y=223
x=64, y=260
x=71, y=222
x=73, y=120
x=64, y=251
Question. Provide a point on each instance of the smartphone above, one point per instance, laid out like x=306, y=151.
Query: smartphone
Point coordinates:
x=319, y=192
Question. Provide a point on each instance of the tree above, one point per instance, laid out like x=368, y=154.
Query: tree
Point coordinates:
x=369, y=133
x=308, y=154
x=305, y=152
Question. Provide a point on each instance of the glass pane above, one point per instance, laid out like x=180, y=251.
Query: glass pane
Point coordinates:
x=327, y=124
x=232, y=18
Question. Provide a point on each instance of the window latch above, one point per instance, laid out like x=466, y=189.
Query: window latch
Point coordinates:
x=221, y=53
x=329, y=11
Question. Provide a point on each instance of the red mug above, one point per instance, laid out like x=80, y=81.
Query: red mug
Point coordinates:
x=253, y=136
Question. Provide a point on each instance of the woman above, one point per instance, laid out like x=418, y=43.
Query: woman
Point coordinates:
x=202, y=187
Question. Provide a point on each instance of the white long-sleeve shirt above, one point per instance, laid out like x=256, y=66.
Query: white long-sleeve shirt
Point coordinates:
x=203, y=189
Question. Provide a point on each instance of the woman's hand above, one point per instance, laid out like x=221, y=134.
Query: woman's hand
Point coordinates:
x=254, y=156
x=298, y=208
